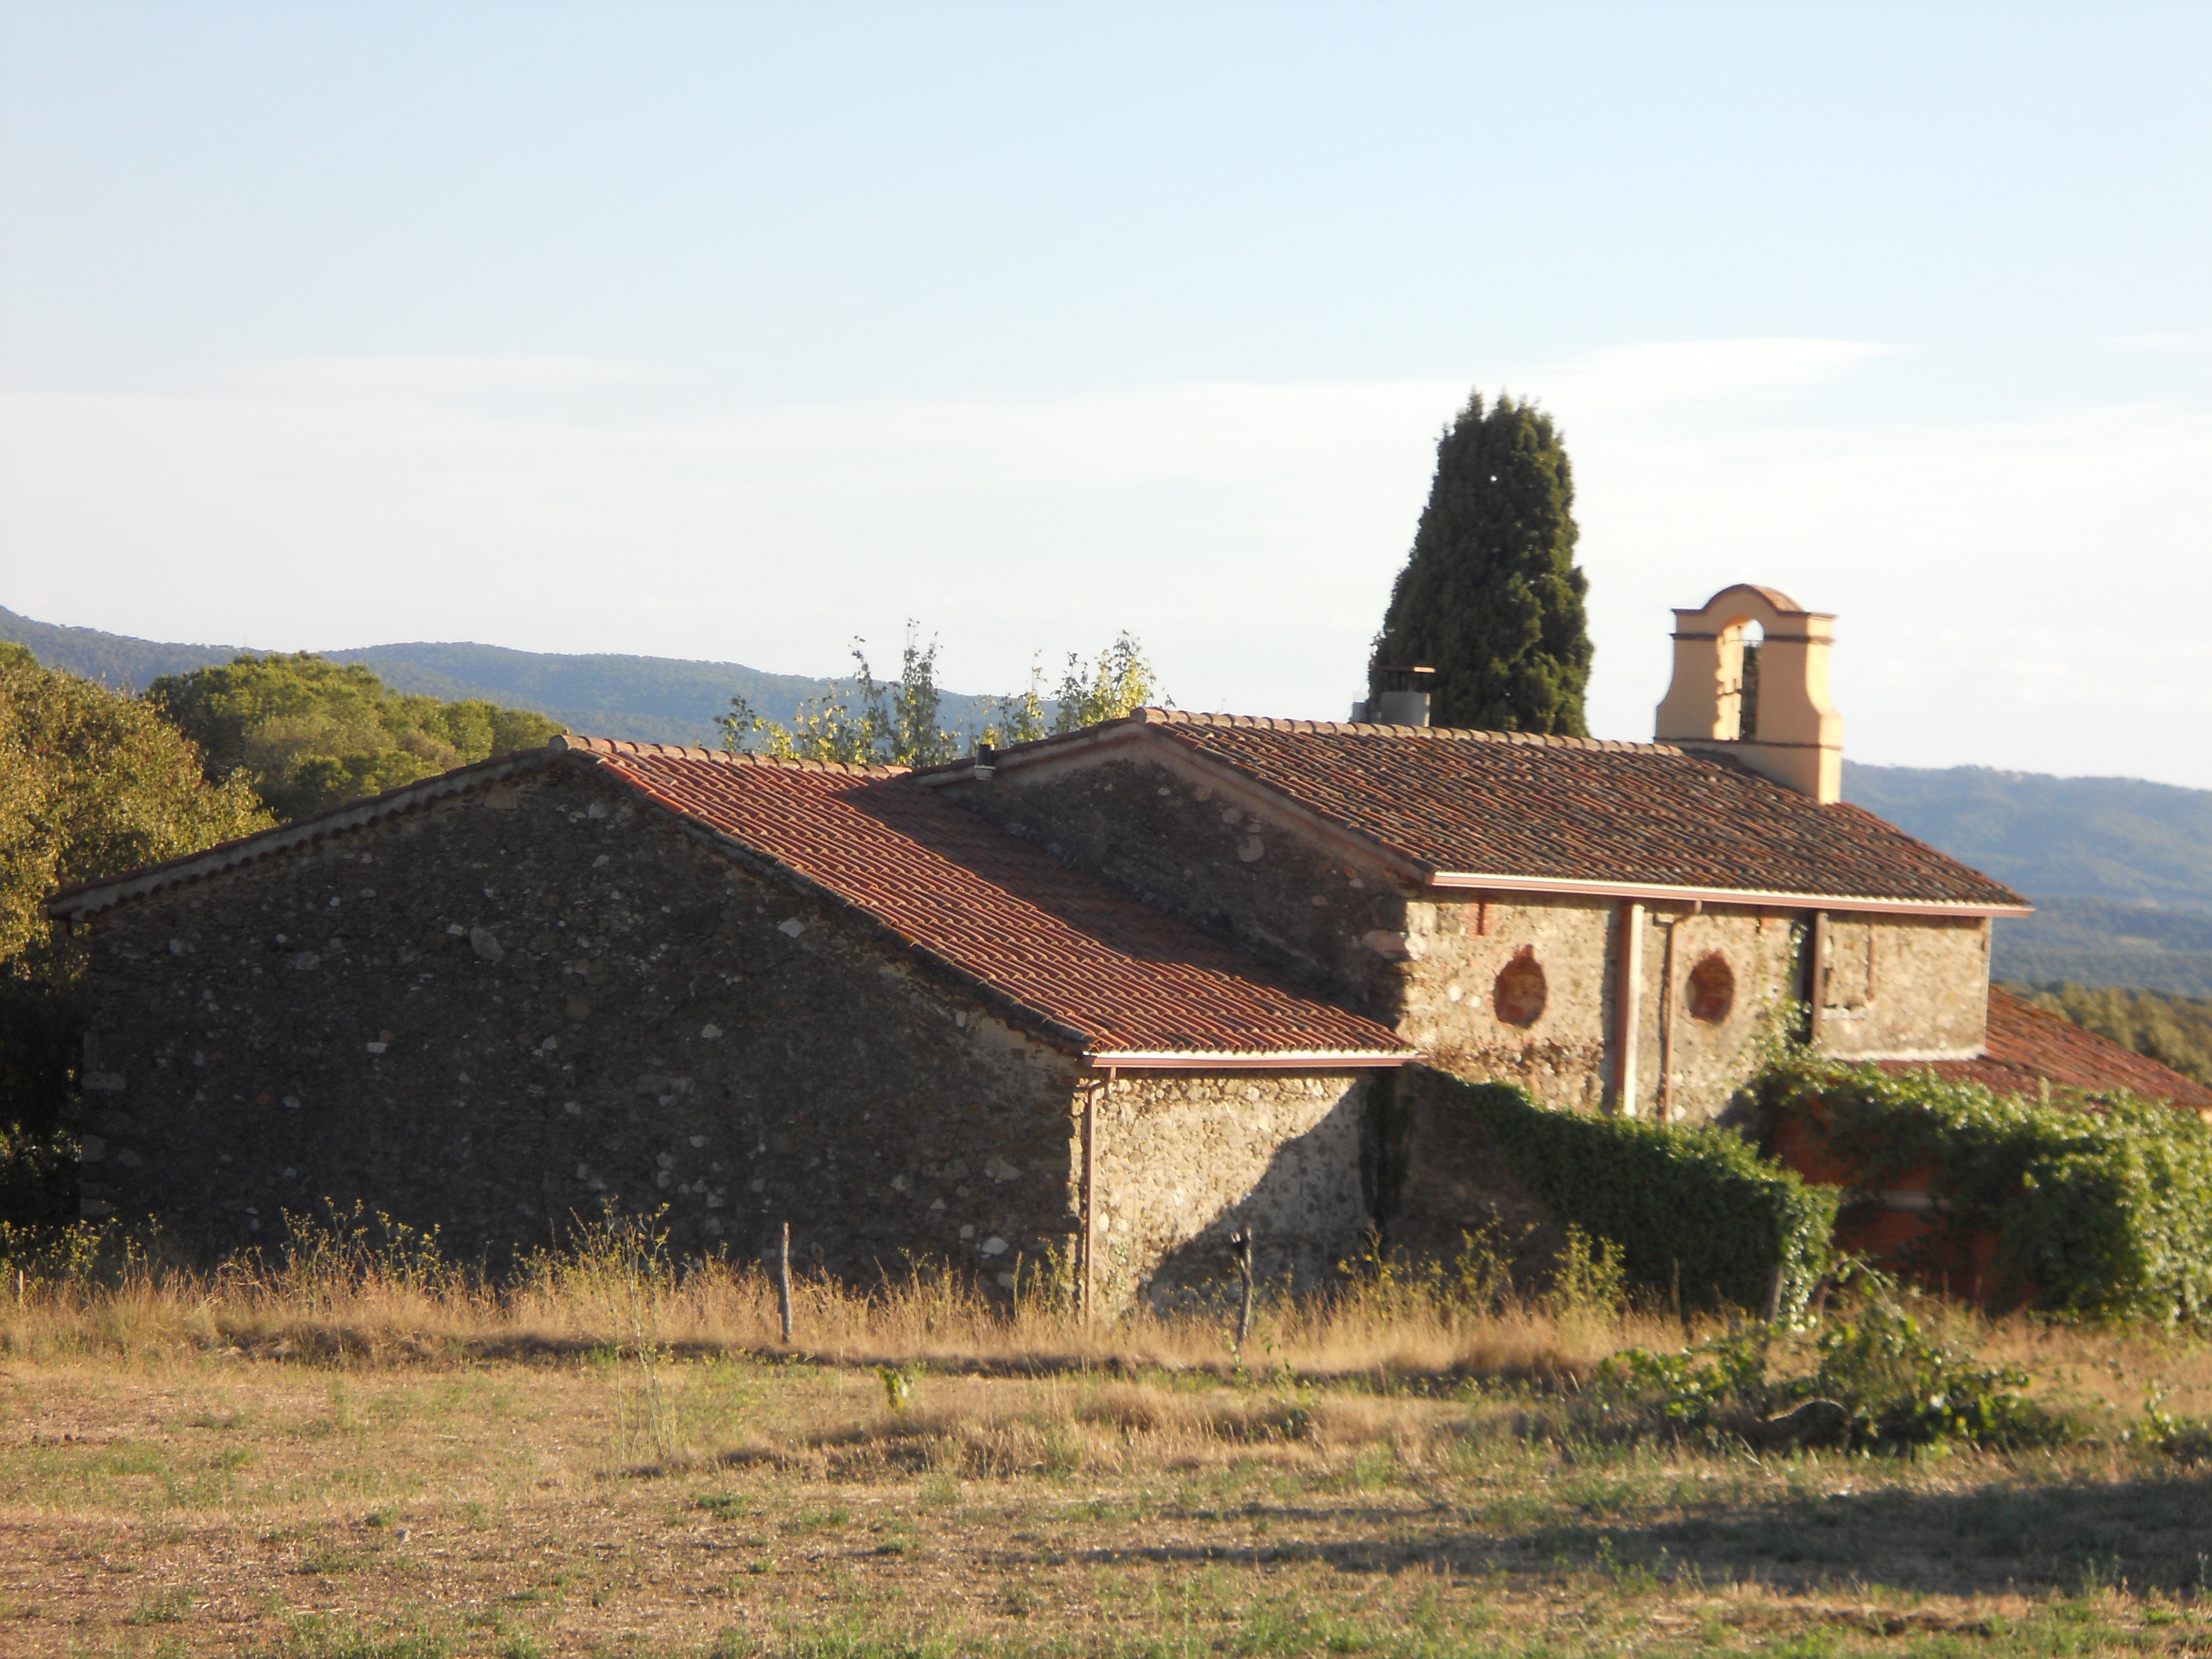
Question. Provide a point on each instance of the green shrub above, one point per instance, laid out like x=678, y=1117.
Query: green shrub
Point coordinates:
x=1879, y=1380
x=1693, y=1207
x=2099, y=1208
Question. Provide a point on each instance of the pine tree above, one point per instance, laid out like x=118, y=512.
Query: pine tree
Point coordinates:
x=1490, y=596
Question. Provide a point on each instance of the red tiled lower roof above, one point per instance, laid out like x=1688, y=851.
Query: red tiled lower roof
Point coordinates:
x=1126, y=980
x=1572, y=810
x=2028, y=1044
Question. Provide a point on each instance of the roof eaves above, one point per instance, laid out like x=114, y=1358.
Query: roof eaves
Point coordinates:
x=1240, y=1059
x=91, y=898
x=617, y=747
x=1767, y=898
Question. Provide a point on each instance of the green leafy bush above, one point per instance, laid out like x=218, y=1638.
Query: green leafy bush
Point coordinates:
x=2099, y=1208
x=1696, y=1208
x=1880, y=1380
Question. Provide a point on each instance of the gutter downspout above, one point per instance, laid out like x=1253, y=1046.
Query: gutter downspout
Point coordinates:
x=1668, y=1014
x=1629, y=1007
x=1090, y=1191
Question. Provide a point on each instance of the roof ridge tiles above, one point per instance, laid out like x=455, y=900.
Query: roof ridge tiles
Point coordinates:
x=1151, y=716
x=575, y=743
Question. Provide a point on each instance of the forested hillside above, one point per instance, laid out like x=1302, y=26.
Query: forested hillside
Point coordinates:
x=2120, y=869
x=2107, y=838
x=650, y=699
x=308, y=734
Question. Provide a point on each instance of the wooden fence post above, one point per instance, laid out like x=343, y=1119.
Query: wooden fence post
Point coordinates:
x=1240, y=1243
x=783, y=1283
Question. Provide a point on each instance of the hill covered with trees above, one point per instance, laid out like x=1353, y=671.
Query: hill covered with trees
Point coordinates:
x=2120, y=869
x=647, y=699
x=307, y=734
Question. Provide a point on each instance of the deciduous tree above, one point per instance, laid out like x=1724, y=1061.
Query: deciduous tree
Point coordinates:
x=92, y=784
x=310, y=734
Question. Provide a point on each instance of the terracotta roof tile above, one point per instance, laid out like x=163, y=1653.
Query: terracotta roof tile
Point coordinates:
x=1125, y=979
x=1521, y=805
x=2027, y=1044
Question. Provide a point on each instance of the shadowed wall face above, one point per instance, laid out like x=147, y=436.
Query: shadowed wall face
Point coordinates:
x=519, y=1006
x=1218, y=855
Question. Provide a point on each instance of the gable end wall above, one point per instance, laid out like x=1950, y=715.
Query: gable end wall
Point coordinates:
x=554, y=1054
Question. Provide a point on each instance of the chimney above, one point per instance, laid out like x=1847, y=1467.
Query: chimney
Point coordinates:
x=1402, y=699
x=1799, y=741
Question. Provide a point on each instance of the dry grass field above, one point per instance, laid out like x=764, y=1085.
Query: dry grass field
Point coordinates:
x=354, y=1456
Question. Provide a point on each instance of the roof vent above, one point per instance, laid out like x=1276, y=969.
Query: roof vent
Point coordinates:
x=986, y=760
x=1402, y=699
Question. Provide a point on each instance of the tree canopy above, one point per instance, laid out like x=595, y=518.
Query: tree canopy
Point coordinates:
x=867, y=722
x=92, y=783
x=1490, y=596
x=310, y=734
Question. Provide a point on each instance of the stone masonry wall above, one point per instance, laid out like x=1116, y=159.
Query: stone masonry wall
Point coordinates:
x=1193, y=846
x=1184, y=1161
x=1451, y=1013
x=1906, y=987
x=1715, y=1045
x=498, y=1013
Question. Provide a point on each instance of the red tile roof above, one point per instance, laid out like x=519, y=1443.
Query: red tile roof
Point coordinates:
x=1526, y=808
x=2028, y=1044
x=1123, y=979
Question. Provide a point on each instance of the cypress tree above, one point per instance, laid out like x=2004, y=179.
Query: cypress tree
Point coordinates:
x=1490, y=596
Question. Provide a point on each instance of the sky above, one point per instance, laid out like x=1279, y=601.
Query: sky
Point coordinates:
x=735, y=332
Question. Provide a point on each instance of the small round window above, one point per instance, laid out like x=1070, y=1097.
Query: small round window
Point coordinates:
x=1711, y=989
x=1519, y=994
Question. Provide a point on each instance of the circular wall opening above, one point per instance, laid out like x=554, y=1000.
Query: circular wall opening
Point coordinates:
x=1711, y=989
x=1519, y=993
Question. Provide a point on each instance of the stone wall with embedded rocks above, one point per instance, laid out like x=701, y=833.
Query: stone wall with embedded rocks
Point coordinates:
x=1184, y=1161
x=1732, y=970
x=498, y=1013
x=1514, y=991
x=1906, y=987
x=1520, y=990
x=1458, y=1195
x=1218, y=855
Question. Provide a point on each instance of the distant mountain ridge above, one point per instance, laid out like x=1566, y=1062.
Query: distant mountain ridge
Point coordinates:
x=2110, y=838
x=645, y=699
x=2120, y=869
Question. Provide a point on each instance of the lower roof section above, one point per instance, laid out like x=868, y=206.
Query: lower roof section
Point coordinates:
x=2028, y=1046
x=1117, y=981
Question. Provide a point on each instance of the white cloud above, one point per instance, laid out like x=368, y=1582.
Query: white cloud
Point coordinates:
x=407, y=378
x=2187, y=344
x=2018, y=592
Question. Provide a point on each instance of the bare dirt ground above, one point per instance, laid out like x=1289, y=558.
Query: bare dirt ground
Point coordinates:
x=213, y=1502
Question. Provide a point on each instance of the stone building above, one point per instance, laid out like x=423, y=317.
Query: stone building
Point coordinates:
x=1084, y=1006
x=753, y=991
